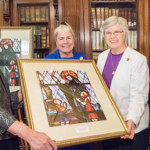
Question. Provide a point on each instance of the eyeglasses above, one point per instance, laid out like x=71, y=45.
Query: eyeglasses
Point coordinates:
x=116, y=33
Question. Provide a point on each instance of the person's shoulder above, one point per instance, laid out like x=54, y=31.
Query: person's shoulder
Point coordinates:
x=135, y=54
x=136, y=57
x=52, y=55
x=77, y=55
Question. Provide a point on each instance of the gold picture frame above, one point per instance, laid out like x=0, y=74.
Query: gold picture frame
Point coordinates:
x=35, y=72
x=25, y=34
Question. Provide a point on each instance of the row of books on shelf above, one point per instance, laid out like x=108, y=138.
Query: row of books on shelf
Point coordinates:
x=39, y=54
x=99, y=14
x=34, y=14
x=99, y=44
x=115, y=0
x=41, y=36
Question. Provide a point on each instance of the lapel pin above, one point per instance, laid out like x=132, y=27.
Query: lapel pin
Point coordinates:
x=128, y=59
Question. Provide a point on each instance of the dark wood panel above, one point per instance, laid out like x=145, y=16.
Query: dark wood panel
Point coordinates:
x=1, y=13
x=87, y=28
x=143, y=28
x=146, y=51
x=76, y=13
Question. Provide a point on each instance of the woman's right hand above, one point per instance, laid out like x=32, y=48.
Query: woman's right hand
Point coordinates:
x=40, y=141
x=37, y=140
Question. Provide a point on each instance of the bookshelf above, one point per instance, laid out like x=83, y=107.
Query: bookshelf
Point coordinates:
x=101, y=10
x=37, y=17
x=42, y=15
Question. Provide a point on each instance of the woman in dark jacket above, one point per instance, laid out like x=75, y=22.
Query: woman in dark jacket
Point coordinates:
x=10, y=127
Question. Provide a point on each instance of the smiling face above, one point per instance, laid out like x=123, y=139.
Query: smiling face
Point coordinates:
x=115, y=38
x=65, y=43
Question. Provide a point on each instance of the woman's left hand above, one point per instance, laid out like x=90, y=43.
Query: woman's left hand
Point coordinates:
x=81, y=58
x=130, y=130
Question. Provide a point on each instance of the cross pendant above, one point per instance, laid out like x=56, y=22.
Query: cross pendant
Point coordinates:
x=113, y=72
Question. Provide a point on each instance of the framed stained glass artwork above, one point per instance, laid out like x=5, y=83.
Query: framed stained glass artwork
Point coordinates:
x=69, y=101
x=10, y=51
x=15, y=42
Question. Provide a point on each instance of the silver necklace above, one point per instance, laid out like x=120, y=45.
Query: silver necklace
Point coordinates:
x=114, y=68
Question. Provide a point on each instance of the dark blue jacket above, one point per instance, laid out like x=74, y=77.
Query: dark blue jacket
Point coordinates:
x=56, y=55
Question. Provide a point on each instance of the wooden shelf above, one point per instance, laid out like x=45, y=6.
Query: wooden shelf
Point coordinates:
x=130, y=28
x=113, y=4
x=97, y=51
x=41, y=49
x=34, y=23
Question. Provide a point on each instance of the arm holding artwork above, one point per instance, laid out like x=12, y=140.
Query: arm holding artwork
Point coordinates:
x=130, y=131
x=37, y=140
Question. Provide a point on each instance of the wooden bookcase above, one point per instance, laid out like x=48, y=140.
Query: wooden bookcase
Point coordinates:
x=37, y=17
x=101, y=10
x=42, y=15
x=137, y=14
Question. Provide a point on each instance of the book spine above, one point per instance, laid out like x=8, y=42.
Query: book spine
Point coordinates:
x=47, y=31
x=101, y=41
x=135, y=39
x=102, y=15
x=27, y=14
x=37, y=14
x=43, y=36
x=93, y=40
x=32, y=14
x=94, y=21
x=43, y=13
x=106, y=13
x=98, y=17
x=37, y=35
x=97, y=40
x=129, y=18
x=22, y=14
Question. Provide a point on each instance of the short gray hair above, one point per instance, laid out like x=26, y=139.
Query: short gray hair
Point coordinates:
x=115, y=20
x=61, y=27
